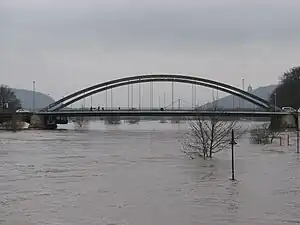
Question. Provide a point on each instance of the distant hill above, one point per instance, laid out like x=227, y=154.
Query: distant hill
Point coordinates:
x=236, y=102
x=26, y=98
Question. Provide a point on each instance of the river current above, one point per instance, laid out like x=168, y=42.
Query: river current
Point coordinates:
x=137, y=175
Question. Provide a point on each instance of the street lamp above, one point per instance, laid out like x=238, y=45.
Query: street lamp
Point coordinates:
x=33, y=98
x=297, y=129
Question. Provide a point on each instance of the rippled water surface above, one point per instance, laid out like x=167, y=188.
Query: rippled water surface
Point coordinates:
x=136, y=174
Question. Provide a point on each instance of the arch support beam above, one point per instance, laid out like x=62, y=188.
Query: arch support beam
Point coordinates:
x=157, y=78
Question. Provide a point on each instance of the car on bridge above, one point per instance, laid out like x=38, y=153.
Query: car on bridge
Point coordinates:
x=22, y=110
x=288, y=109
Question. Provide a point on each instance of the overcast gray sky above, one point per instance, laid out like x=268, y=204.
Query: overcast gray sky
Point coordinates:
x=66, y=45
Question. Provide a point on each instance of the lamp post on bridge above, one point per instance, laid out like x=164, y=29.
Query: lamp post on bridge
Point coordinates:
x=84, y=101
x=275, y=99
x=195, y=96
x=140, y=102
x=132, y=96
x=192, y=96
x=243, y=86
x=172, y=95
x=159, y=101
x=111, y=98
x=106, y=99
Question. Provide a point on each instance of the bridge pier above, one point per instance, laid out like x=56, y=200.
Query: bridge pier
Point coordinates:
x=42, y=123
x=281, y=123
x=112, y=120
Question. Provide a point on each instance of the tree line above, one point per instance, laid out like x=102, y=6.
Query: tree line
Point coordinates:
x=287, y=93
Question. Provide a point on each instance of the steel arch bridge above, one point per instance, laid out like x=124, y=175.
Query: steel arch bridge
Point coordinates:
x=148, y=78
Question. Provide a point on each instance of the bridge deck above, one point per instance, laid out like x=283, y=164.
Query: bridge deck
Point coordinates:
x=154, y=112
x=162, y=113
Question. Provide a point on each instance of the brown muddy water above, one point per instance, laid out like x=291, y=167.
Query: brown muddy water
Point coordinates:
x=137, y=175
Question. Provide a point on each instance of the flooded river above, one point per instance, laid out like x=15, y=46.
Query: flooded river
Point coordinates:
x=137, y=175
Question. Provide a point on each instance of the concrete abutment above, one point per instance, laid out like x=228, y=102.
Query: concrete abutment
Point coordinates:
x=42, y=122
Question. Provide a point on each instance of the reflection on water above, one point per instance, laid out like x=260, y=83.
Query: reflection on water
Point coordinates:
x=136, y=174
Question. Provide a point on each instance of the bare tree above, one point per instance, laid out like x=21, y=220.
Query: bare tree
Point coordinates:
x=8, y=99
x=273, y=135
x=9, y=103
x=262, y=134
x=209, y=135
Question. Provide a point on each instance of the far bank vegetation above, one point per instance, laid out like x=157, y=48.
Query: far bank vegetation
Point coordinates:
x=10, y=103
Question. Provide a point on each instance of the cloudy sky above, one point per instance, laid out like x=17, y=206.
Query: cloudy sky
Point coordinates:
x=65, y=45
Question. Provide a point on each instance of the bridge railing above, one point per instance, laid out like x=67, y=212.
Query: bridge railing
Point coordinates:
x=161, y=109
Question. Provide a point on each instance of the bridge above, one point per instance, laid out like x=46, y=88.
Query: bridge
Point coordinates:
x=155, y=78
x=57, y=112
